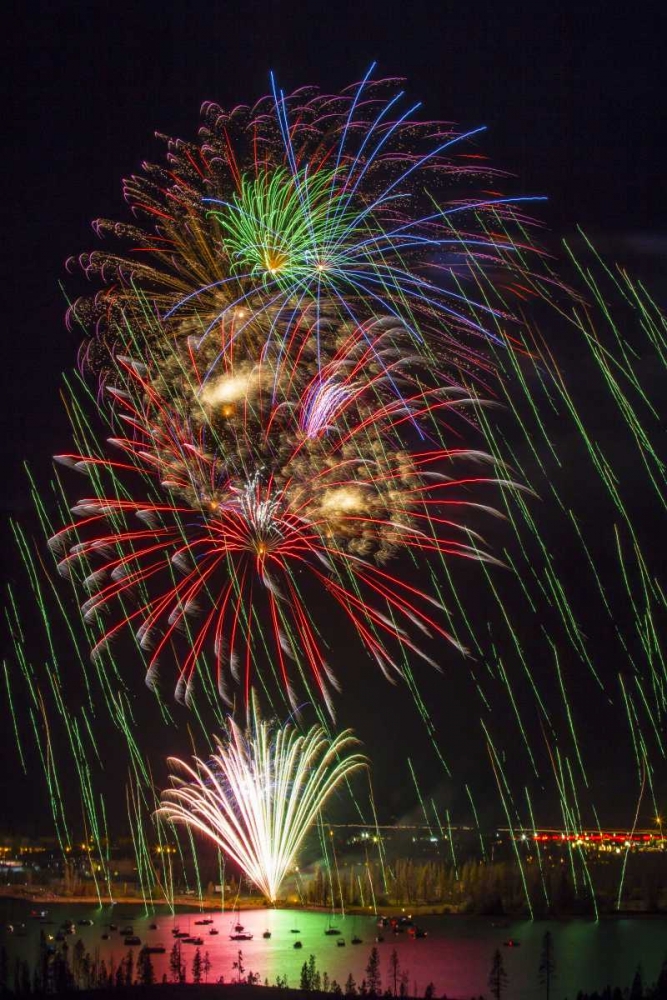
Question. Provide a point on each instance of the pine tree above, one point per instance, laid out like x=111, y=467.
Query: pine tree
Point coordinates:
x=175, y=963
x=660, y=992
x=128, y=969
x=315, y=979
x=304, y=981
x=102, y=976
x=394, y=969
x=118, y=978
x=637, y=988
x=78, y=952
x=145, y=970
x=350, y=987
x=196, y=967
x=497, y=976
x=373, y=978
x=547, y=967
x=86, y=971
x=206, y=966
x=62, y=976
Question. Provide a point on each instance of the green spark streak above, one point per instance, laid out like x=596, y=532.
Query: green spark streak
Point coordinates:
x=498, y=772
x=14, y=723
x=536, y=845
x=474, y=812
x=419, y=796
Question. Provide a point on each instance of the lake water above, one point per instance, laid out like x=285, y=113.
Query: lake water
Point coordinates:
x=456, y=955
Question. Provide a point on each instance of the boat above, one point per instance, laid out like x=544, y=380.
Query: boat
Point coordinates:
x=193, y=940
x=127, y=931
x=181, y=934
x=266, y=934
x=356, y=940
x=244, y=936
x=511, y=943
x=214, y=930
x=132, y=939
x=341, y=942
x=155, y=949
x=206, y=920
x=113, y=927
x=152, y=927
x=238, y=928
x=85, y=922
x=298, y=944
x=420, y=932
x=332, y=931
x=295, y=930
x=105, y=936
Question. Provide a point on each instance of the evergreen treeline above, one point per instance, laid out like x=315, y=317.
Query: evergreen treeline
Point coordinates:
x=72, y=970
x=498, y=888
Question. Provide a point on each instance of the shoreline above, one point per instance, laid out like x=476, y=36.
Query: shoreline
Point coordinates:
x=208, y=904
x=46, y=898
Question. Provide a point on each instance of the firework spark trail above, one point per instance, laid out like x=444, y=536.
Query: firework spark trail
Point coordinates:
x=260, y=793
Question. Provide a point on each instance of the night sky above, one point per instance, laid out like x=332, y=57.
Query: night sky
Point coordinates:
x=573, y=97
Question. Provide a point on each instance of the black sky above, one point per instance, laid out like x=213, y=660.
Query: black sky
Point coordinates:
x=572, y=93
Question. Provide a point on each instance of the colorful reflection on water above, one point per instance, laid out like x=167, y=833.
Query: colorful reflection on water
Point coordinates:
x=455, y=956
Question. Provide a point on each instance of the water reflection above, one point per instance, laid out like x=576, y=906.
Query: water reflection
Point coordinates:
x=455, y=956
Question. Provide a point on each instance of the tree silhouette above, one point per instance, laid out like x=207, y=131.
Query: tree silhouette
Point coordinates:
x=239, y=966
x=176, y=968
x=373, y=979
x=394, y=969
x=128, y=968
x=145, y=970
x=206, y=966
x=547, y=967
x=660, y=992
x=497, y=976
x=196, y=967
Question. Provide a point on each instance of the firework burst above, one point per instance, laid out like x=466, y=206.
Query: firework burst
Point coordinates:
x=225, y=550
x=260, y=793
x=333, y=200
